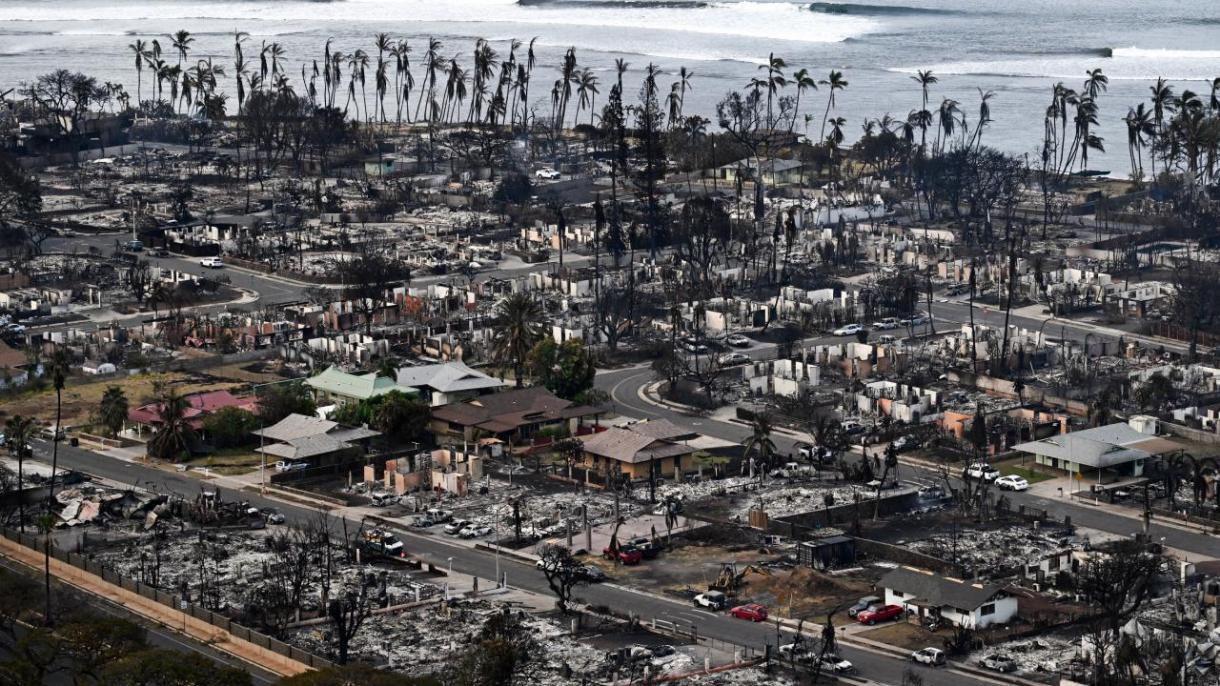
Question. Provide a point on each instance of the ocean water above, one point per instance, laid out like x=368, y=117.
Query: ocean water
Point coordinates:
x=1016, y=49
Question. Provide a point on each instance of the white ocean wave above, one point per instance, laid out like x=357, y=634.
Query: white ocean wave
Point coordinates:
x=1123, y=64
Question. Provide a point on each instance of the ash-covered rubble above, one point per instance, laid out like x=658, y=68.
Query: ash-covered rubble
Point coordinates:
x=779, y=498
x=1041, y=655
x=542, y=515
x=87, y=504
x=435, y=638
x=996, y=553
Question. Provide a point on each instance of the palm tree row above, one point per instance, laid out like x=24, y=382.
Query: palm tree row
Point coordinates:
x=189, y=85
x=1182, y=131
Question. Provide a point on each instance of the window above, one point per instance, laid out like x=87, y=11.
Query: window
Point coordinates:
x=897, y=594
x=988, y=609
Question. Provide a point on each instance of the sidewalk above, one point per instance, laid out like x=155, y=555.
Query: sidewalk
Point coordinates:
x=154, y=611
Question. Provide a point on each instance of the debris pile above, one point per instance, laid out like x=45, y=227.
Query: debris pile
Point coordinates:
x=998, y=552
x=1042, y=655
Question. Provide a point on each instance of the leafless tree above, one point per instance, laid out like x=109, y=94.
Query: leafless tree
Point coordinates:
x=347, y=614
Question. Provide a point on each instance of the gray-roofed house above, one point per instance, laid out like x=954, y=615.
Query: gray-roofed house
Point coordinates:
x=1115, y=449
x=961, y=603
x=448, y=382
x=300, y=441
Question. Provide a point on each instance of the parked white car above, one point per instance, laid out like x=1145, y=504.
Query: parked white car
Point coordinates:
x=1012, y=482
x=836, y=664
x=849, y=330
x=729, y=359
x=712, y=600
x=547, y=174
x=982, y=470
x=929, y=656
x=211, y=262
x=475, y=531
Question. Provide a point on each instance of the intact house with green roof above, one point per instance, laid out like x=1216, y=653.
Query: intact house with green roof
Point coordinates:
x=337, y=387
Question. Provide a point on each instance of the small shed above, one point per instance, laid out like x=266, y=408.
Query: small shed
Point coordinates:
x=831, y=551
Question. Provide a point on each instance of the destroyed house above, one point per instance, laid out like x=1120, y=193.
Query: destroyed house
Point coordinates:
x=515, y=415
x=930, y=596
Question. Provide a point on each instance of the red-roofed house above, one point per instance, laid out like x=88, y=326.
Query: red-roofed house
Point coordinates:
x=199, y=406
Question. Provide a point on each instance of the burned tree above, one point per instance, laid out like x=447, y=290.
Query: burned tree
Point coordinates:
x=1117, y=583
x=562, y=572
x=366, y=279
x=347, y=614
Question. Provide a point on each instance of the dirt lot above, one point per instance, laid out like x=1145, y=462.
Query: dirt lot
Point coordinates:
x=81, y=400
x=230, y=462
x=908, y=636
x=768, y=577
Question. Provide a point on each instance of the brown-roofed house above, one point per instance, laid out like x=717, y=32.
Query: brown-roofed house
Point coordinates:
x=632, y=452
x=512, y=416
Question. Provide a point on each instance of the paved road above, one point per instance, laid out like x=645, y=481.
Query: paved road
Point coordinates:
x=874, y=666
x=269, y=290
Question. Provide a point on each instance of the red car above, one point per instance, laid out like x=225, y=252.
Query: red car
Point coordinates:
x=626, y=555
x=753, y=612
x=881, y=614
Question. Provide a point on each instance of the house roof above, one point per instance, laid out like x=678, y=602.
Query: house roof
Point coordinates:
x=296, y=426
x=199, y=405
x=501, y=412
x=1100, y=447
x=625, y=445
x=298, y=436
x=449, y=377
x=308, y=446
x=360, y=386
x=661, y=428
x=937, y=590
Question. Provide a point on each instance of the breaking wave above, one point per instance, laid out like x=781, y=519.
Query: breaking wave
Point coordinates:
x=1120, y=64
x=641, y=4
x=864, y=10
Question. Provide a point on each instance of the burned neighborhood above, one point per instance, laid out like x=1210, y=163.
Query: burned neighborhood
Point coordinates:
x=456, y=390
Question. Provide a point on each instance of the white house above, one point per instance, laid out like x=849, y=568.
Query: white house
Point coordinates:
x=926, y=594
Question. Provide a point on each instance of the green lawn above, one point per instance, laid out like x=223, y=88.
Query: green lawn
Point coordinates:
x=1027, y=473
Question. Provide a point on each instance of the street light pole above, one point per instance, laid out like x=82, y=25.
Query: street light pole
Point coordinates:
x=262, y=440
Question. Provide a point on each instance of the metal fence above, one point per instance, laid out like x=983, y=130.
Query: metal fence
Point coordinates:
x=741, y=652
x=172, y=601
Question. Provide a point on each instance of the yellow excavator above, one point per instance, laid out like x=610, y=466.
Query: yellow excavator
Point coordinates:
x=730, y=580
